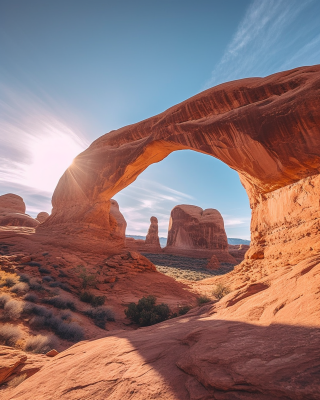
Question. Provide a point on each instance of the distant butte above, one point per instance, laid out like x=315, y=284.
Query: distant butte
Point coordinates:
x=197, y=233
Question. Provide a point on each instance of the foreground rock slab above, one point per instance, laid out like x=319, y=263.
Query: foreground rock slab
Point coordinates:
x=260, y=342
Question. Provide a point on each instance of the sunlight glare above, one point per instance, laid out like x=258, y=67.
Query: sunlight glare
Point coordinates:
x=51, y=154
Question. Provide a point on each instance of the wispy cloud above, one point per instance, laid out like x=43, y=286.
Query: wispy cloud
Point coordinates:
x=270, y=39
x=36, y=146
x=143, y=199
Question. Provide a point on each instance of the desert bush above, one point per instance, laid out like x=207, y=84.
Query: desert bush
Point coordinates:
x=65, y=315
x=37, y=310
x=32, y=297
x=20, y=288
x=65, y=330
x=95, y=301
x=61, y=285
x=24, y=278
x=17, y=380
x=203, y=299
x=85, y=278
x=47, y=278
x=43, y=270
x=70, y=331
x=183, y=310
x=9, y=334
x=40, y=344
x=7, y=279
x=86, y=297
x=35, y=285
x=13, y=309
x=4, y=298
x=100, y=315
x=220, y=291
x=60, y=302
x=146, y=312
x=33, y=264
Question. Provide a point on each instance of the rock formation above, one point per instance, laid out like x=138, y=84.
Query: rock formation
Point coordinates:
x=152, y=238
x=42, y=216
x=238, y=251
x=213, y=263
x=197, y=233
x=262, y=340
x=151, y=244
x=12, y=212
x=267, y=129
x=12, y=203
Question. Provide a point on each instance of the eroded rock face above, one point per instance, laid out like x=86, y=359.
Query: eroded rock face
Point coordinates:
x=197, y=232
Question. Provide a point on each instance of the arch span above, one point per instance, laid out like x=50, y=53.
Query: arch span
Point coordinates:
x=267, y=129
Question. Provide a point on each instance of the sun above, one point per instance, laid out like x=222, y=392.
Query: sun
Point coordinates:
x=51, y=155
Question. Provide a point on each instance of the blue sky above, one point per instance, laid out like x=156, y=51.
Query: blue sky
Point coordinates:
x=73, y=70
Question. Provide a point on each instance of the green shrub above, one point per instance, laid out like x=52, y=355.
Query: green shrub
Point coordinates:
x=146, y=312
x=86, y=278
x=184, y=309
x=203, y=299
x=95, y=301
x=220, y=291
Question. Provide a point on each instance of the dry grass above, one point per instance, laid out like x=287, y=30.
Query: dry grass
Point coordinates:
x=220, y=291
x=185, y=268
x=9, y=334
x=17, y=380
x=40, y=344
x=7, y=279
x=20, y=288
x=4, y=298
x=13, y=309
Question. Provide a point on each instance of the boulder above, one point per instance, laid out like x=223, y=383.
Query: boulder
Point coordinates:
x=42, y=216
x=12, y=203
x=12, y=212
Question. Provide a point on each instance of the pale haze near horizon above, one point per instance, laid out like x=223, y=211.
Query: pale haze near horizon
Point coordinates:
x=72, y=71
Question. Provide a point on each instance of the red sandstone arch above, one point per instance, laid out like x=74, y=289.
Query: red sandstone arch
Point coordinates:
x=267, y=129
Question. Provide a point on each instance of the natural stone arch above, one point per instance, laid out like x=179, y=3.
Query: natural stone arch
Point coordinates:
x=267, y=129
